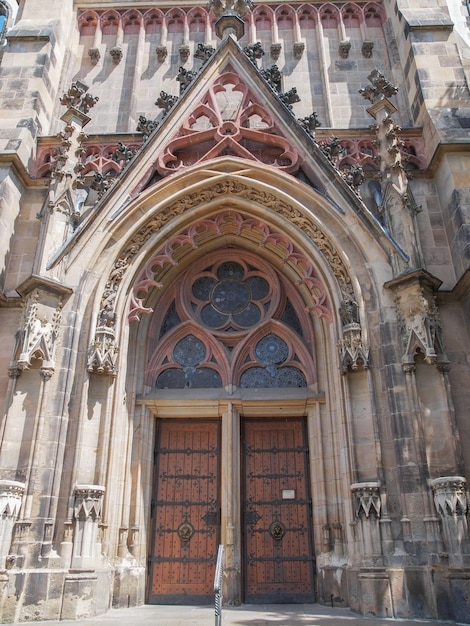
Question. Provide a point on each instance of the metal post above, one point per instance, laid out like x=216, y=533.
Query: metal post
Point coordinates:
x=219, y=568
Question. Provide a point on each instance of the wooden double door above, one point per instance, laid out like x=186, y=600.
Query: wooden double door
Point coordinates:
x=277, y=550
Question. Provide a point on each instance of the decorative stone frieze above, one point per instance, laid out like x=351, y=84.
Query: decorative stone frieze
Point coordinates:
x=221, y=7
x=11, y=495
x=450, y=496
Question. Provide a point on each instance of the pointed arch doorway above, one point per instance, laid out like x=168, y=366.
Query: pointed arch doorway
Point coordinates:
x=231, y=360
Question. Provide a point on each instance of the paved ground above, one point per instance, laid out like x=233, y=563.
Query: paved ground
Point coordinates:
x=246, y=615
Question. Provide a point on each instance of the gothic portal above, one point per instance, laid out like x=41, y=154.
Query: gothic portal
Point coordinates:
x=234, y=305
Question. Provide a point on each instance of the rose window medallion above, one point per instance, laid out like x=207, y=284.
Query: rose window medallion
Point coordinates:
x=232, y=298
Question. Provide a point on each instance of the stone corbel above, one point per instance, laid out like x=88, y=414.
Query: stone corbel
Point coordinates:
x=88, y=500
x=116, y=55
x=299, y=48
x=344, y=48
x=450, y=500
x=162, y=53
x=94, y=55
x=275, y=51
x=86, y=518
x=367, y=511
x=367, y=47
x=184, y=52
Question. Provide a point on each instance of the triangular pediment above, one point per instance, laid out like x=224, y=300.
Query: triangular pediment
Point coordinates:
x=229, y=110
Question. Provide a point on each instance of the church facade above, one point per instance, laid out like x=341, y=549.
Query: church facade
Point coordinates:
x=234, y=305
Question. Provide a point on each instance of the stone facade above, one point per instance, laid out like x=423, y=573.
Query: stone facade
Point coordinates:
x=224, y=215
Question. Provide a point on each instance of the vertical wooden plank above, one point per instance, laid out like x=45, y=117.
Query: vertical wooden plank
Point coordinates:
x=277, y=568
x=187, y=487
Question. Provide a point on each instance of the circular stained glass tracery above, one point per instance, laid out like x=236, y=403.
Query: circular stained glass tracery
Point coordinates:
x=232, y=297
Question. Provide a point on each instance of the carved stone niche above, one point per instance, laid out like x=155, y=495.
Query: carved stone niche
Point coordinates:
x=418, y=319
x=450, y=500
x=11, y=494
x=354, y=354
x=367, y=510
x=87, y=515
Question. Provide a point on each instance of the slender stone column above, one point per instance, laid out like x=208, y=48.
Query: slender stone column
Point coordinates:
x=87, y=514
x=230, y=523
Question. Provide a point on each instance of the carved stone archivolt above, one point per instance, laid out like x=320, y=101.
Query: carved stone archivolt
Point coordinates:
x=227, y=223
x=229, y=188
